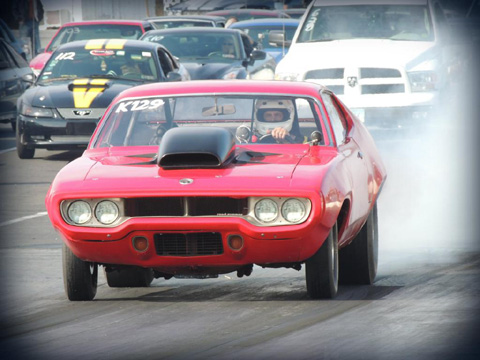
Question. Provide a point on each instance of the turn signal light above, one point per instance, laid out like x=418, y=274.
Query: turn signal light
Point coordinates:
x=235, y=242
x=140, y=243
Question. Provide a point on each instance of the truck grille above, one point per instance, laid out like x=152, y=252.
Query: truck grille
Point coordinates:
x=176, y=206
x=366, y=82
x=188, y=244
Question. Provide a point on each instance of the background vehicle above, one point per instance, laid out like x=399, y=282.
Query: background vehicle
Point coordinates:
x=86, y=30
x=78, y=83
x=259, y=30
x=248, y=14
x=201, y=51
x=15, y=77
x=185, y=187
x=389, y=61
x=202, y=6
x=168, y=22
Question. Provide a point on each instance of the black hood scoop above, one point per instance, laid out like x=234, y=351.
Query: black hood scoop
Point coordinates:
x=193, y=147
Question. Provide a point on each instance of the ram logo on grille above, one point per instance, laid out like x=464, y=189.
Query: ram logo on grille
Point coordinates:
x=352, y=81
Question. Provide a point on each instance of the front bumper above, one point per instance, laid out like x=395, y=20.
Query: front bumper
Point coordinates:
x=55, y=133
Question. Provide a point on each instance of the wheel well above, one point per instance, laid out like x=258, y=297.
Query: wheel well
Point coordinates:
x=342, y=217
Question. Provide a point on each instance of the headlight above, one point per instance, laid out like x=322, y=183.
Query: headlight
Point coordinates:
x=293, y=210
x=287, y=76
x=79, y=212
x=29, y=110
x=266, y=210
x=422, y=81
x=106, y=212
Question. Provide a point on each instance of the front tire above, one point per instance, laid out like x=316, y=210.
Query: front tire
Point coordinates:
x=321, y=269
x=79, y=277
x=22, y=150
x=129, y=276
x=359, y=260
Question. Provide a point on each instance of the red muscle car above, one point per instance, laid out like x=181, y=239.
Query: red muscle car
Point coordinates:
x=202, y=178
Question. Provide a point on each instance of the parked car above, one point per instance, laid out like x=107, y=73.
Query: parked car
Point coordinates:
x=202, y=6
x=259, y=30
x=215, y=53
x=190, y=180
x=168, y=22
x=87, y=30
x=15, y=77
x=78, y=83
x=248, y=14
x=18, y=44
x=389, y=61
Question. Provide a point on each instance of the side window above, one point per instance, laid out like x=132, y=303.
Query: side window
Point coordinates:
x=165, y=62
x=337, y=120
x=247, y=44
x=174, y=62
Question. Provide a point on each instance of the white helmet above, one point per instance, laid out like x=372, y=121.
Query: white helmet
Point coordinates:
x=283, y=105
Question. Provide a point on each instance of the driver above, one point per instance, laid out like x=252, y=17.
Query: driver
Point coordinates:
x=276, y=118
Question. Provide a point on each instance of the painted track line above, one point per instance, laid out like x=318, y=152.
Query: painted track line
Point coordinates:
x=14, y=221
x=7, y=150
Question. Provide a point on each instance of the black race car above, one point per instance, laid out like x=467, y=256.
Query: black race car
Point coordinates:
x=78, y=83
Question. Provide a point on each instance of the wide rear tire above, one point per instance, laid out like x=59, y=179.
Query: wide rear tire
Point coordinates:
x=79, y=277
x=131, y=276
x=321, y=269
x=359, y=259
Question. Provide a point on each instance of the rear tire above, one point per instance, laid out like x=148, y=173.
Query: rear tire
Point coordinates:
x=359, y=259
x=22, y=150
x=131, y=276
x=321, y=269
x=79, y=277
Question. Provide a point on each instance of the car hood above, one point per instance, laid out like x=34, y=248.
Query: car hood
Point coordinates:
x=39, y=61
x=359, y=53
x=259, y=169
x=210, y=70
x=79, y=93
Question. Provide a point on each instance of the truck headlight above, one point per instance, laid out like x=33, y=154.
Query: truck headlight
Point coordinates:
x=266, y=210
x=79, y=212
x=421, y=81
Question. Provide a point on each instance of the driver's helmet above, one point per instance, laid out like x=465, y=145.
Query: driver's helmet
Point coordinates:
x=285, y=106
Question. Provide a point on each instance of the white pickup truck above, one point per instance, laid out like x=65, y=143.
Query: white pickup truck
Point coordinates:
x=387, y=60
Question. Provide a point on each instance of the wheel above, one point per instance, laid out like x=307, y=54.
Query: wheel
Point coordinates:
x=79, y=277
x=22, y=150
x=321, y=269
x=129, y=276
x=269, y=139
x=359, y=260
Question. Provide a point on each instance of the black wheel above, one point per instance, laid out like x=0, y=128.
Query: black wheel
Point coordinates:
x=359, y=259
x=22, y=150
x=321, y=269
x=79, y=277
x=129, y=276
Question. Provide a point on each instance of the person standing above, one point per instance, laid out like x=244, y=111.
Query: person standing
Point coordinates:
x=28, y=14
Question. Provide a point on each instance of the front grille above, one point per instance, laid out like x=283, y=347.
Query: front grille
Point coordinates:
x=373, y=73
x=186, y=206
x=188, y=244
x=383, y=89
x=335, y=73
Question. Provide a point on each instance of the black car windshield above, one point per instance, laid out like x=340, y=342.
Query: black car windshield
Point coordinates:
x=144, y=121
x=97, y=31
x=395, y=22
x=131, y=64
x=194, y=45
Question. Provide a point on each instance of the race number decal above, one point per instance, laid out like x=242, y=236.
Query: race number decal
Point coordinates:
x=139, y=105
x=65, y=56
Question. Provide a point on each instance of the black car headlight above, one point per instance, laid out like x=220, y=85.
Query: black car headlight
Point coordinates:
x=33, y=111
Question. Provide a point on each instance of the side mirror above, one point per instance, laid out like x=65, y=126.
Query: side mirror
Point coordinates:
x=316, y=137
x=174, y=76
x=258, y=55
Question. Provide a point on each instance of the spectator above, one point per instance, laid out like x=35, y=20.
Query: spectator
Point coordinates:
x=28, y=14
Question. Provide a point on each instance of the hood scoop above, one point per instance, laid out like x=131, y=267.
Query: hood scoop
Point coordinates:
x=193, y=147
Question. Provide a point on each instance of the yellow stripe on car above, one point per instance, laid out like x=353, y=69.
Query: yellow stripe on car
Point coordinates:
x=85, y=91
x=95, y=44
x=115, y=44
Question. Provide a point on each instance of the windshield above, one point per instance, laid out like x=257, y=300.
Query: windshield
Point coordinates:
x=260, y=33
x=132, y=64
x=99, y=31
x=408, y=23
x=143, y=122
x=214, y=46
x=169, y=24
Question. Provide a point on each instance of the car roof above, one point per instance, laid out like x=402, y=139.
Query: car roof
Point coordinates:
x=206, y=30
x=266, y=21
x=106, y=22
x=132, y=44
x=369, y=2
x=232, y=12
x=186, y=17
x=199, y=87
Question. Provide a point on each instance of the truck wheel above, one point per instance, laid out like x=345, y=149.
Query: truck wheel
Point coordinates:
x=321, y=269
x=22, y=150
x=359, y=259
x=79, y=277
x=129, y=276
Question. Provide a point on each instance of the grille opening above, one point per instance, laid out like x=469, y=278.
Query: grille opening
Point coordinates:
x=383, y=89
x=189, y=244
x=335, y=73
x=372, y=73
x=204, y=206
x=167, y=206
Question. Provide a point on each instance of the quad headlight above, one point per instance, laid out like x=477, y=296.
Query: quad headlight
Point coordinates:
x=107, y=212
x=274, y=211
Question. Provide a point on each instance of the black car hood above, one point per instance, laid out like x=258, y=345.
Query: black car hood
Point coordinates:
x=213, y=70
x=75, y=94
